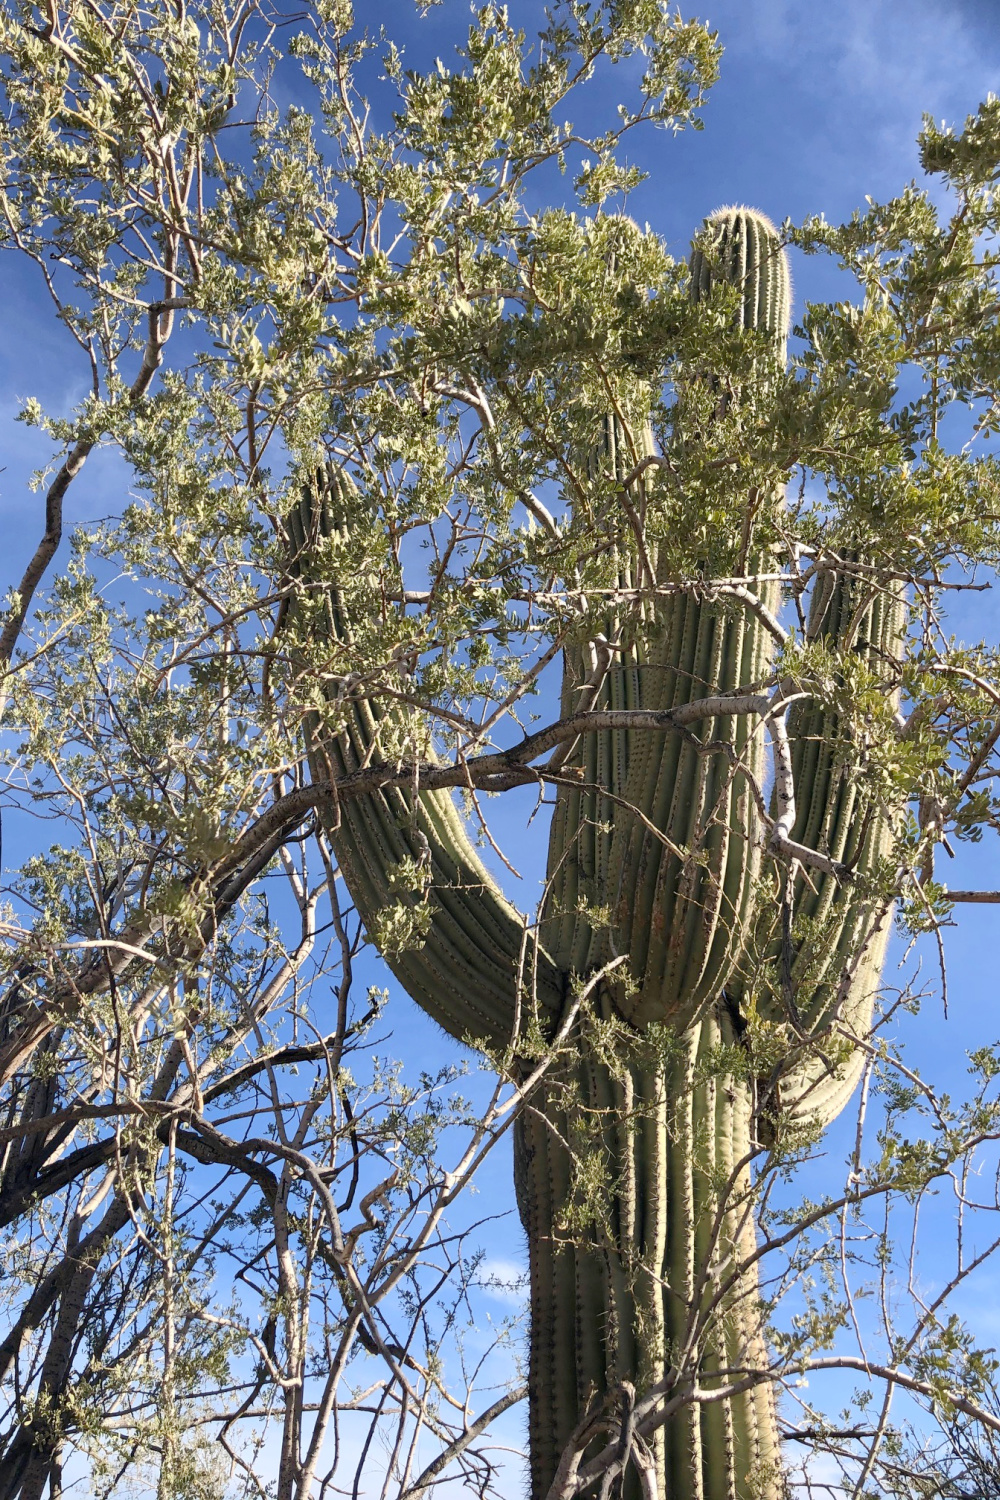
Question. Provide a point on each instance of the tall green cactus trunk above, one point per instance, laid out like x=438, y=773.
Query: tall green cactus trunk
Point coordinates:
x=634, y=1179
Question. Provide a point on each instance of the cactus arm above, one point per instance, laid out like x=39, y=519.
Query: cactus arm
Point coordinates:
x=682, y=919
x=580, y=837
x=839, y=930
x=475, y=969
x=678, y=919
x=744, y=249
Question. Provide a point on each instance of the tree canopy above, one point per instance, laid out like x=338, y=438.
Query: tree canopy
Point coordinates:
x=240, y=1256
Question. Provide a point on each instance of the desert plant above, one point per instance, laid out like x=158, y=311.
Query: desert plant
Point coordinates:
x=633, y=1156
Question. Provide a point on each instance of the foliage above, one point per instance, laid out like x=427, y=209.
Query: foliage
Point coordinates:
x=240, y=1254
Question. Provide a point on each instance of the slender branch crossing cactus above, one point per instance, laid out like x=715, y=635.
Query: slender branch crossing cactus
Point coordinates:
x=632, y=1165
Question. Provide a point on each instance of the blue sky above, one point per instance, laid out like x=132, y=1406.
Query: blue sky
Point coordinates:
x=818, y=106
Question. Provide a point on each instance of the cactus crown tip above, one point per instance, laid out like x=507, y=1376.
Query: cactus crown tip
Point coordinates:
x=743, y=246
x=730, y=211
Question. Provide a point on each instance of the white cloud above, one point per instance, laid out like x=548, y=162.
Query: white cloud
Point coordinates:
x=504, y=1280
x=857, y=76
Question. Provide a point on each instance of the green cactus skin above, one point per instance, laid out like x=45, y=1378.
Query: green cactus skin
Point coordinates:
x=635, y=1296
x=742, y=246
x=839, y=936
x=476, y=958
x=632, y=1167
x=682, y=921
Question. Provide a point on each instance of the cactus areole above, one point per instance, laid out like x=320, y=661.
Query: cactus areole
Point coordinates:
x=633, y=1158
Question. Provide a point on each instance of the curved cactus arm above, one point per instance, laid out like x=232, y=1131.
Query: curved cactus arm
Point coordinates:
x=680, y=906
x=461, y=950
x=818, y=952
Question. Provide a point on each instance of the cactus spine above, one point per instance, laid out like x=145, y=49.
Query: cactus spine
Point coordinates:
x=632, y=1168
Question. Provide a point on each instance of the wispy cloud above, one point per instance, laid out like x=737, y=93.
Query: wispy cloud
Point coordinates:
x=871, y=69
x=505, y=1280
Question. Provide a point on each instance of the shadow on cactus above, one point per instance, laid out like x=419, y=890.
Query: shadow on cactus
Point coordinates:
x=730, y=946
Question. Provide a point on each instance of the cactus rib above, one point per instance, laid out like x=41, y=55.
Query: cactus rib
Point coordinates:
x=633, y=1293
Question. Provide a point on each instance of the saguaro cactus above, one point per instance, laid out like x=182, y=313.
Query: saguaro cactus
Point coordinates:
x=632, y=1165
